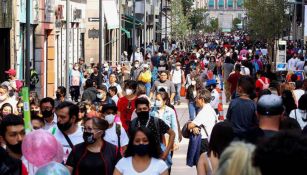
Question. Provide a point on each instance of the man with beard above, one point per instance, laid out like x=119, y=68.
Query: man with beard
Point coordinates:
x=12, y=133
x=67, y=131
x=47, y=110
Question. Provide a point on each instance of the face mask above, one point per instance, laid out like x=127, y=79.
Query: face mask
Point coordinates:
x=5, y=114
x=110, y=118
x=178, y=67
x=47, y=113
x=76, y=68
x=129, y=91
x=159, y=104
x=141, y=149
x=136, y=65
x=89, y=137
x=2, y=97
x=193, y=82
x=11, y=93
x=64, y=127
x=15, y=148
x=143, y=114
x=58, y=95
x=99, y=96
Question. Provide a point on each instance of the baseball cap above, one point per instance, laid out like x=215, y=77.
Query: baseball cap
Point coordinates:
x=211, y=82
x=270, y=105
x=11, y=72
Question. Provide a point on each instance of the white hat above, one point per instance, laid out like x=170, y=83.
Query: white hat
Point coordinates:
x=145, y=65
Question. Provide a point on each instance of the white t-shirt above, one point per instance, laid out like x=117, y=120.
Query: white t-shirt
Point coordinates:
x=53, y=123
x=176, y=76
x=297, y=94
x=207, y=117
x=156, y=167
x=300, y=114
x=111, y=136
x=214, y=98
x=75, y=139
x=292, y=64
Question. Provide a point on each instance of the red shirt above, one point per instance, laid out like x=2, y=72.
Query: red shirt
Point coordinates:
x=259, y=85
x=126, y=108
x=233, y=80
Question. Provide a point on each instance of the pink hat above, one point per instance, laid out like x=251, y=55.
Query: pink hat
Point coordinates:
x=11, y=72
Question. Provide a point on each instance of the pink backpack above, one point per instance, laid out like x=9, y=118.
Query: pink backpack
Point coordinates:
x=265, y=85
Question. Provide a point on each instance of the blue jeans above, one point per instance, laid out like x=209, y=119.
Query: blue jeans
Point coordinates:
x=193, y=110
x=177, y=89
x=221, y=81
x=148, y=87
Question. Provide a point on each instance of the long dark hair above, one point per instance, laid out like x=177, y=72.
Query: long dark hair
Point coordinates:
x=154, y=147
x=288, y=101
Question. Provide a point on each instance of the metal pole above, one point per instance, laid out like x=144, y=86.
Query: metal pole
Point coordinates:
x=145, y=26
x=165, y=8
x=101, y=44
x=120, y=31
x=27, y=58
x=154, y=25
x=67, y=44
x=303, y=25
x=134, y=32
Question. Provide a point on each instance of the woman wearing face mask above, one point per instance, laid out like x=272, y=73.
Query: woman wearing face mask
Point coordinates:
x=102, y=97
x=126, y=104
x=94, y=156
x=166, y=113
x=190, y=96
x=6, y=109
x=75, y=82
x=142, y=156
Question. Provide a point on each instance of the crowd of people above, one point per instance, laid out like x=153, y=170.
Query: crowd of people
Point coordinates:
x=126, y=121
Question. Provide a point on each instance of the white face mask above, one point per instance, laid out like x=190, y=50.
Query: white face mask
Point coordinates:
x=177, y=67
x=110, y=118
x=3, y=97
x=193, y=82
x=99, y=96
x=136, y=65
x=158, y=103
x=129, y=91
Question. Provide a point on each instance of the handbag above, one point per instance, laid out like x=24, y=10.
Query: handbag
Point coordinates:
x=185, y=132
x=182, y=91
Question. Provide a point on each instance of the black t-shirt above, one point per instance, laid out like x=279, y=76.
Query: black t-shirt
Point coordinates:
x=257, y=135
x=163, y=127
x=85, y=162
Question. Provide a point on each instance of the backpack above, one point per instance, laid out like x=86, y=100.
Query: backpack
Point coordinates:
x=265, y=85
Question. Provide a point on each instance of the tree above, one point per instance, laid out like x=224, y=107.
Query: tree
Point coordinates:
x=235, y=23
x=213, y=26
x=179, y=21
x=196, y=19
x=266, y=19
x=187, y=6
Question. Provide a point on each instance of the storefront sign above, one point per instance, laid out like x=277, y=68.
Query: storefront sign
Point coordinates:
x=93, y=33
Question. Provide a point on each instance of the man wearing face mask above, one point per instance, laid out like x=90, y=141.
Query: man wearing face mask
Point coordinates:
x=102, y=96
x=12, y=133
x=115, y=134
x=163, y=83
x=157, y=126
x=47, y=111
x=136, y=70
x=67, y=131
x=178, y=78
x=112, y=82
x=60, y=96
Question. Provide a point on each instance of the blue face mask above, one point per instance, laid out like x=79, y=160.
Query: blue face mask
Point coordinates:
x=158, y=104
x=141, y=149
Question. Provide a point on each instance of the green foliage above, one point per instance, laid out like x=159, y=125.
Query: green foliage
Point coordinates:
x=187, y=6
x=213, y=26
x=179, y=22
x=235, y=22
x=266, y=19
x=196, y=19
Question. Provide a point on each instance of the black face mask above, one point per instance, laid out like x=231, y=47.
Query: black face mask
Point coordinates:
x=64, y=127
x=143, y=114
x=89, y=138
x=162, y=81
x=47, y=114
x=141, y=149
x=15, y=148
x=58, y=95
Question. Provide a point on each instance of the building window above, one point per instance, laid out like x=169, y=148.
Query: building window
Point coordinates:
x=239, y=3
x=230, y=3
x=221, y=3
x=211, y=3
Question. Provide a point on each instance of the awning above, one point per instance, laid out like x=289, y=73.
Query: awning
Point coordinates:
x=126, y=32
x=111, y=13
x=129, y=22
